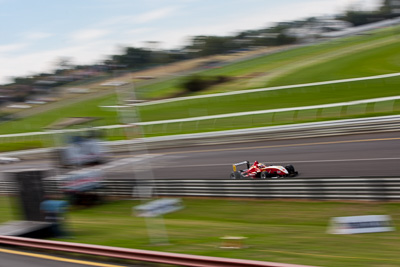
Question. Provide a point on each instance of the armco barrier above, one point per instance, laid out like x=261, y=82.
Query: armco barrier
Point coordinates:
x=303, y=130
x=365, y=189
x=139, y=255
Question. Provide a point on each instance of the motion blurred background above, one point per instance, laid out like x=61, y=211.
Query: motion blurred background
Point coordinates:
x=124, y=102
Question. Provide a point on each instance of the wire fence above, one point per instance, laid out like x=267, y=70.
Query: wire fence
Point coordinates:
x=271, y=118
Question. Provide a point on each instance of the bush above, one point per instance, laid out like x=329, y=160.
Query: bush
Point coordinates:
x=198, y=83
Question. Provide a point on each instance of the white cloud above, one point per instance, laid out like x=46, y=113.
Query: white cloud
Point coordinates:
x=140, y=31
x=12, y=47
x=155, y=15
x=36, y=35
x=88, y=34
x=115, y=21
x=146, y=17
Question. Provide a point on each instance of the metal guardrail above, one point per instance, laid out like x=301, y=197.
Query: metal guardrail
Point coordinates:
x=139, y=255
x=303, y=130
x=350, y=188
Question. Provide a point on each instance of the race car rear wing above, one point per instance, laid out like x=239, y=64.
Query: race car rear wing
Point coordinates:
x=241, y=163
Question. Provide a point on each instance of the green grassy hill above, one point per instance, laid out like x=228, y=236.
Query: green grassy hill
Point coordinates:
x=374, y=61
x=365, y=55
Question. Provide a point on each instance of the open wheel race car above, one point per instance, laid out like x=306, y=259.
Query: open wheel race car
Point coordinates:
x=260, y=170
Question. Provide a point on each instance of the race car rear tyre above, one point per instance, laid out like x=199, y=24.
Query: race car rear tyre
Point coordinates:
x=264, y=175
x=290, y=169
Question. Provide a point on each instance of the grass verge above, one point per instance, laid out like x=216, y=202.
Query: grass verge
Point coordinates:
x=280, y=231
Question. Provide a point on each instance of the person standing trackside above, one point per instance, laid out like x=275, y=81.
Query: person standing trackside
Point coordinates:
x=54, y=212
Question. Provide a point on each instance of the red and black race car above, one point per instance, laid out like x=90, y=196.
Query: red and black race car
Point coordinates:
x=260, y=170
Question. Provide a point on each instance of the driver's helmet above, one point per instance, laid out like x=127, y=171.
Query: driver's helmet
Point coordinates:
x=255, y=163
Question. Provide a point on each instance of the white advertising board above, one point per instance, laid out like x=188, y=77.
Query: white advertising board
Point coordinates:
x=81, y=181
x=360, y=224
x=158, y=207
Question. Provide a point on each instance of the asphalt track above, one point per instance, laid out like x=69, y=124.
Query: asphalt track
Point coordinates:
x=11, y=257
x=347, y=155
x=361, y=155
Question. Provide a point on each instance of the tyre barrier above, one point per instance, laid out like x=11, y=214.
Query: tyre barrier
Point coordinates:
x=375, y=189
x=350, y=188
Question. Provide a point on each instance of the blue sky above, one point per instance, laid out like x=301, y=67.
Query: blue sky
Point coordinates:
x=34, y=35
